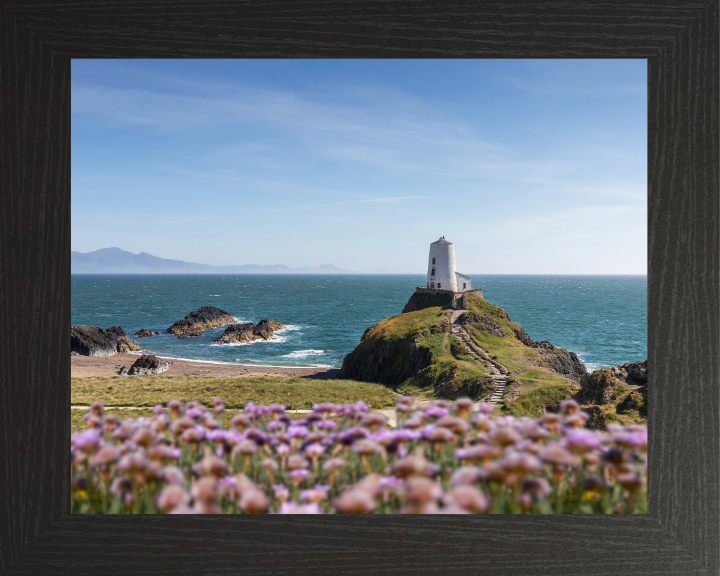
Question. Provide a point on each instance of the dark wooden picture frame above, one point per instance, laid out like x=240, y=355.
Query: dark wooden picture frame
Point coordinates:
x=681, y=533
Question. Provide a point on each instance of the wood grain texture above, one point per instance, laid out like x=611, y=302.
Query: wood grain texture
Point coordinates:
x=681, y=535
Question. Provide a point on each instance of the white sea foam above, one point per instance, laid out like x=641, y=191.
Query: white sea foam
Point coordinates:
x=304, y=353
x=276, y=339
x=289, y=327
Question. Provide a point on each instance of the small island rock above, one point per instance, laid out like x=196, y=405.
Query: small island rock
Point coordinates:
x=249, y=332
x=202, y=319
x=144, y=333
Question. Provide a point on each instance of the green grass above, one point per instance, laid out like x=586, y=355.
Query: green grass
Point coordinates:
x=452, y=367
x=534, y=402
x=293, y=393
x=539, y=388
x=77, y=422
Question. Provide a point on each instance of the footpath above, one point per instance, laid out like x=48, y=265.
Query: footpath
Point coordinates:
x=499, y=372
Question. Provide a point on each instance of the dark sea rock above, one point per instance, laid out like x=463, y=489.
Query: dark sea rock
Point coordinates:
x=148, y=364
x=144, y=333
x=157, y=333
x=427, y=299
x=632, y=373
x=117, y=331
x=249, y=332
x=598, y=386
x=202, y=319
x=92, y=341
x=562, y=361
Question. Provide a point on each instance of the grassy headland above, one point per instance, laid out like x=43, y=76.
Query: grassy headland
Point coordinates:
x=293, y=393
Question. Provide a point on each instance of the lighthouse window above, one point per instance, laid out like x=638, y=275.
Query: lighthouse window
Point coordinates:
x=432, y=284
x=464, y=284
x=438, y=284
x=433, y=261
x=433, y=272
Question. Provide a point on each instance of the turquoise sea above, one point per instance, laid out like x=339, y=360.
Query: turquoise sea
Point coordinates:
x=601, y=318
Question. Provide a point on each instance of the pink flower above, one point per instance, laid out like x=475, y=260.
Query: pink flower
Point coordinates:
x=294, y=508
x=298, y=474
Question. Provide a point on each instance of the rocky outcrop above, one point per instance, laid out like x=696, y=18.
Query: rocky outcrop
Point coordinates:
x=148, y=364
x=202, y=319
x=632, y=373
x=389, y=361
x=264, y=330
x=125, y=345
x=93, y=341
x=421, y=300
x=561, y=360
x=143, y=333
x=598, y=386
x=116, y=331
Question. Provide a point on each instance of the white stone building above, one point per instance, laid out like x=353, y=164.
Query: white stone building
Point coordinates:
x=441, y=273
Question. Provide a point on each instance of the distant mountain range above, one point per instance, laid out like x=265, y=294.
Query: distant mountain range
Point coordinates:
x=117, y=261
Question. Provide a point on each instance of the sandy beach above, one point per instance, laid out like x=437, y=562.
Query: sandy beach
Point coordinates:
x=83, y=366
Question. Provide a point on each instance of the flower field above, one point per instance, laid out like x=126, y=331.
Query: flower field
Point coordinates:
x=442, y=458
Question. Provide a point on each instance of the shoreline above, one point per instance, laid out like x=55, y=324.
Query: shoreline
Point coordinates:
x=87, y=366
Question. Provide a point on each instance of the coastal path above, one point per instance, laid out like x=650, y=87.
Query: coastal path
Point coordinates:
x=499, y=372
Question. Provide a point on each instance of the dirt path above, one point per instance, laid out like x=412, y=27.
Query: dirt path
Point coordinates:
x=499, y=371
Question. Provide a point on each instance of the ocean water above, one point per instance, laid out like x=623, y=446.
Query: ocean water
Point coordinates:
x=601, y=318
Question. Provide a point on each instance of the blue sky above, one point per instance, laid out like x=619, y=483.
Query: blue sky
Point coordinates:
x=527, y=166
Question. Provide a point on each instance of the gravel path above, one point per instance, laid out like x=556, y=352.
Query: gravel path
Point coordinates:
x=498, y=370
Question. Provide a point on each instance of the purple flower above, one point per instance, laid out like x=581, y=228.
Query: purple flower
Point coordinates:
x=88, y=441
x=299, y=474
x=486, y=408
x=297, y=431
x=314, y=494
x=217, y=435
x=632, y=439
x=582, y=440
x=360, y=406
x=383, y=437
x=328, y=425
x=281, y=492
x=294, y=508
x=158, y=409
x=391, y=483
x=314, y=450
x=283, y=450
x=325, y=408
x=436, y=411
x=193, y=413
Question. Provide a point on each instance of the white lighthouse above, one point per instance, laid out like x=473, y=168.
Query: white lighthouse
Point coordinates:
x=441, y=273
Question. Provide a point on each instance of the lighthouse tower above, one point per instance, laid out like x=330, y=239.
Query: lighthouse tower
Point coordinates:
x=441, y=266
x=441, y=273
